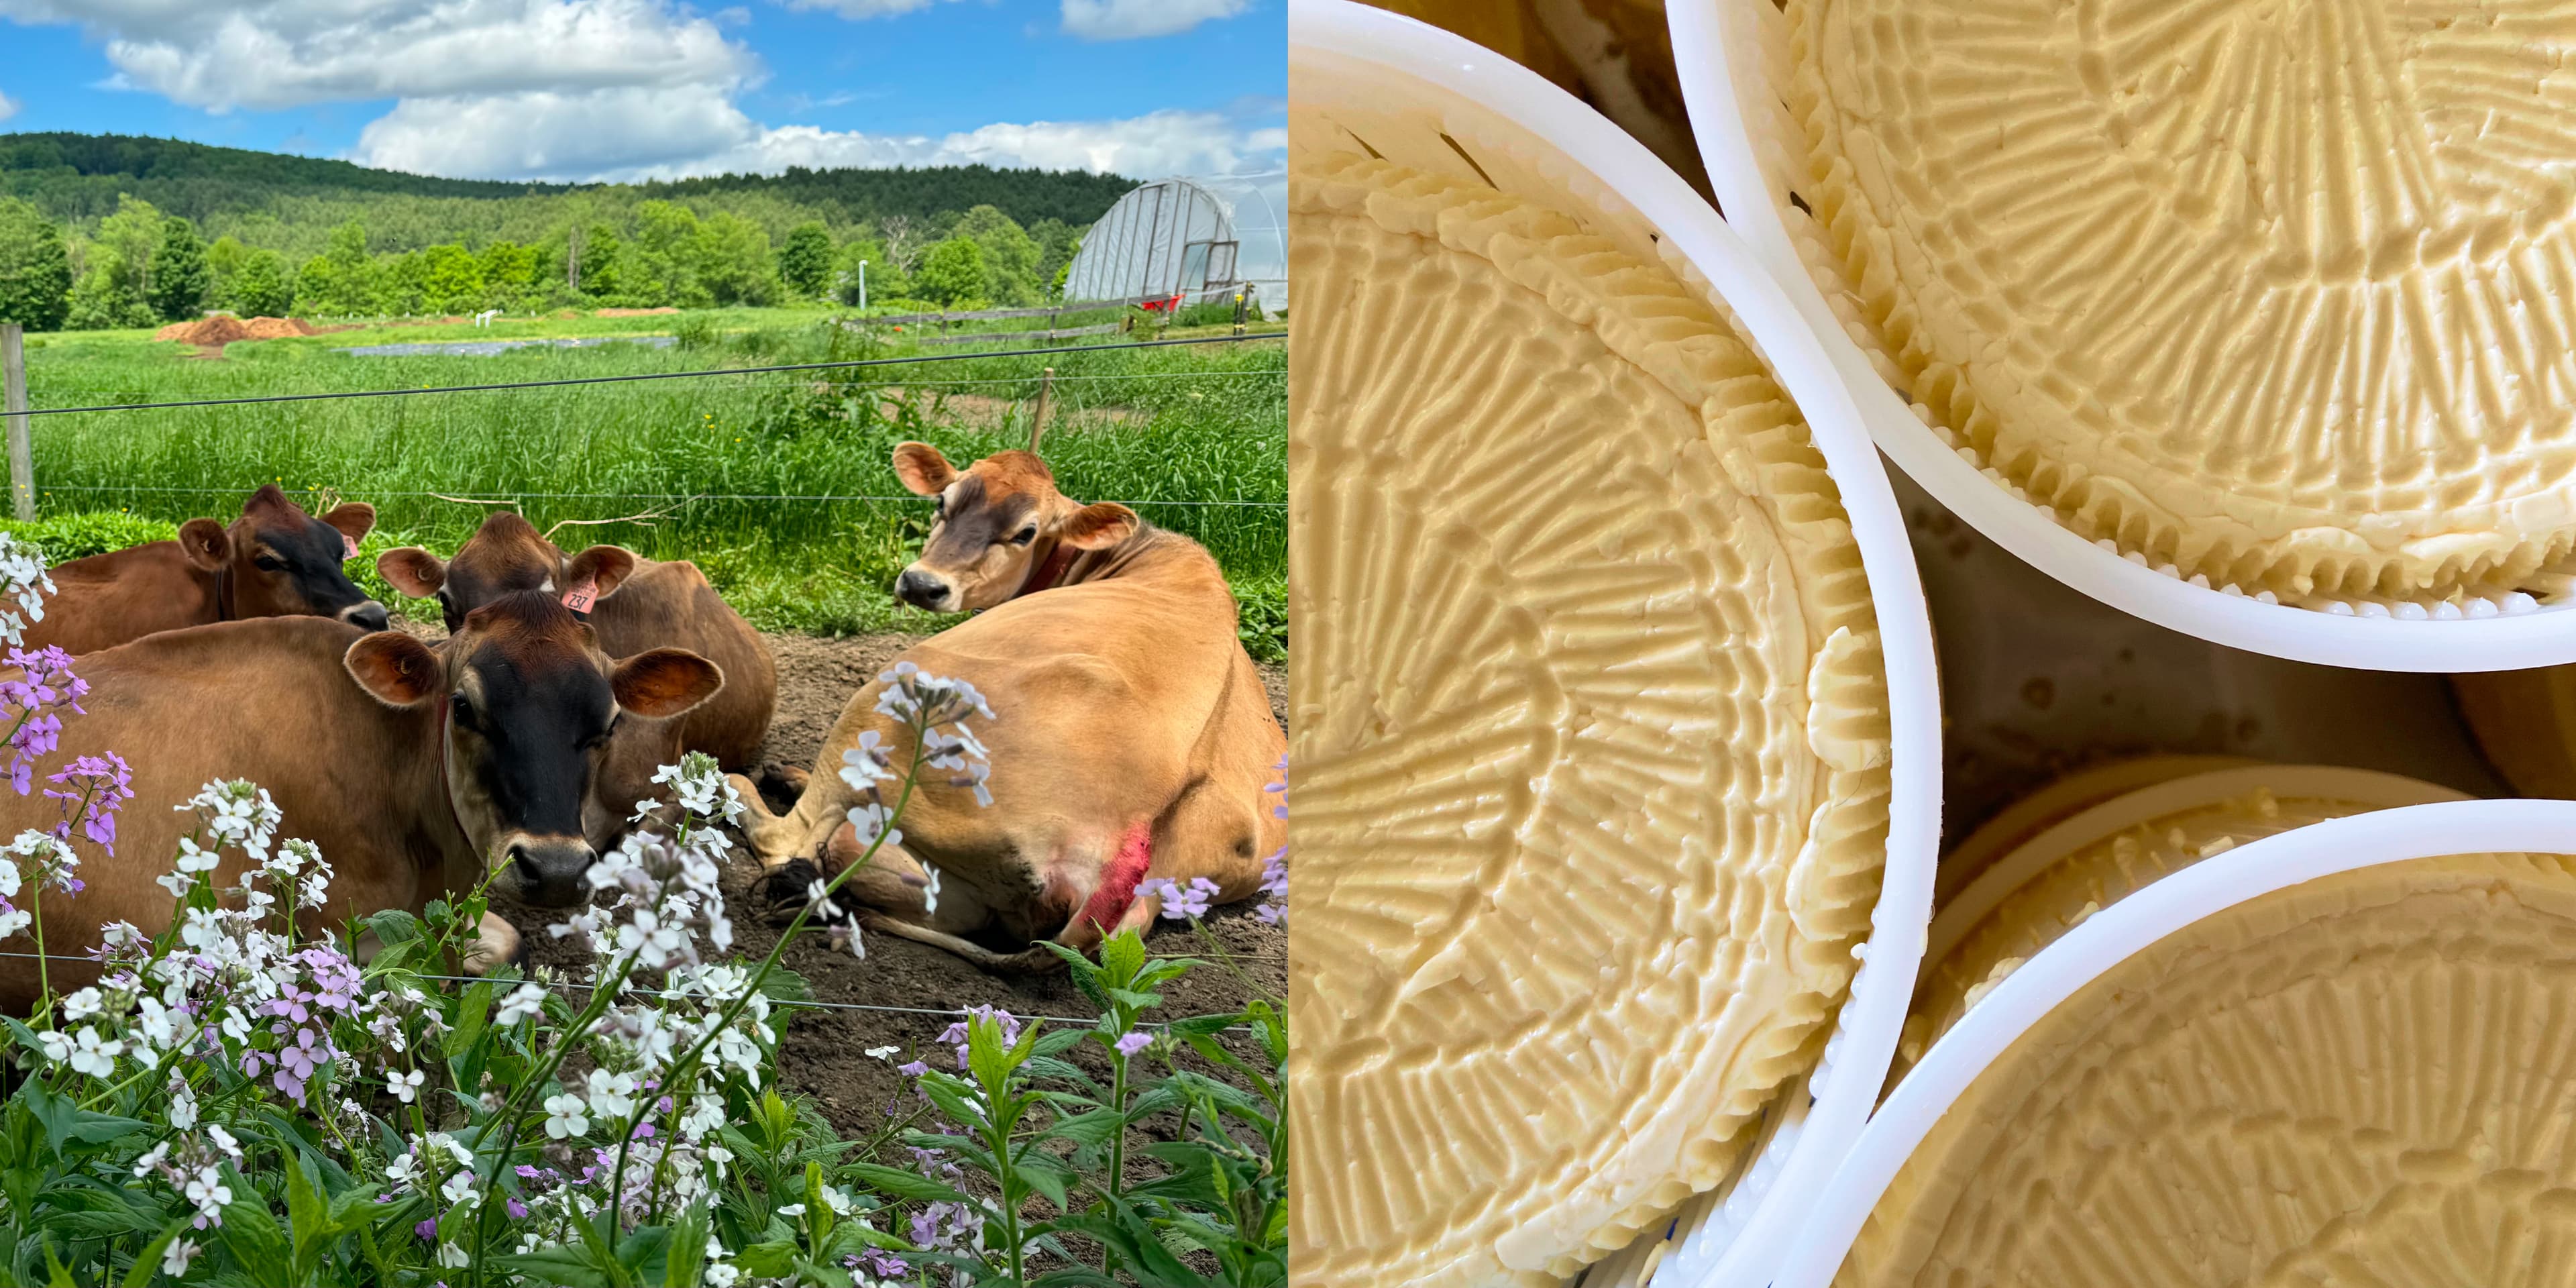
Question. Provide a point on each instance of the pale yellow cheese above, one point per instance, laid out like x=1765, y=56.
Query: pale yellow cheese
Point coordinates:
x=1591, y=737
x=2281, y=292
x=2364, y=1080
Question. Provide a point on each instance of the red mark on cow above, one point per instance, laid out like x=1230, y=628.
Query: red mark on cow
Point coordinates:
x=348, y=546
x=1119, y=880
x=580, y=597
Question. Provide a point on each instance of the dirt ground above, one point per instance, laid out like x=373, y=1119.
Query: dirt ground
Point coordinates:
x=878, y=998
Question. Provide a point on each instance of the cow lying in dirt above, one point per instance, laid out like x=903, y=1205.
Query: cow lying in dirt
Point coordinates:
x=1133, y=736
x=274, y=561
x=411, y=765
x=634, y=604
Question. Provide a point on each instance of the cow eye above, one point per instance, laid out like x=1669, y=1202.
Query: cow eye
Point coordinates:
x=1025, y=536
x=267, y=563
x=463, y=707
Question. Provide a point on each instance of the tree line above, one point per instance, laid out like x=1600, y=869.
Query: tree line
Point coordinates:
x=139, y=265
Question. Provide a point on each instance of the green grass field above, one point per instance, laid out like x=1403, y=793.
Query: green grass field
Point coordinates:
x=777, y=484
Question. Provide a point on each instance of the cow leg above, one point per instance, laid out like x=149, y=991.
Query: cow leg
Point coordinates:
x=1032, y=960
x=800, y=833
x=1220, y=830
x=496, y=942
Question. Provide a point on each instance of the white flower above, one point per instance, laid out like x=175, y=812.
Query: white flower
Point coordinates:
x=404, y=1085
x=175, y=1258
x=151, y=1160
x=458, y=1188
x=612, y=1095
x=837, y=1201
x=82, y=1004
x=183, y=1106
x=15, y=921
x=224, y=1141
x=452, y=1256
x=564, y=1117
x=194, y=859
x=441, y=1140
x=524, y=1002
x=722, y=1274
x=8, y=879
x=177, y=883
x=883, y=1052
x=58, y=1048
x=93, y=1055
x=207, y=1190
x=792, y=1209
x=402, y=1169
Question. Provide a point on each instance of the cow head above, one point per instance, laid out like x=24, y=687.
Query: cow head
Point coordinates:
x=506, y=555
x=531, y=702
x=999, y=521
x=283, y=562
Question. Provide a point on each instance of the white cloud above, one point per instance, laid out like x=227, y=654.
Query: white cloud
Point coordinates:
x=864, y=8
x=269, y=54
x=8, y=107
x=1133, y=19
x=641, y=134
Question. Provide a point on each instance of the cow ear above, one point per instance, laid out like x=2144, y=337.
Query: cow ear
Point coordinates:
x=1098, y=526
x=353, y=519
x=205, y=543
x=658, y=684
x=607, y=567
x=922, y=470
x=411, y=570
x=395, y=669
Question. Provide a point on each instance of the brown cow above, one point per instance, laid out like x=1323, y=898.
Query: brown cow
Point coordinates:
x=274, y=561
x=411, y=765
x=656, y=605
x=1133, y=736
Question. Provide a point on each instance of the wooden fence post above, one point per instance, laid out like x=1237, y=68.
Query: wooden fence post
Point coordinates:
x=22, y=464
x=1046, y=400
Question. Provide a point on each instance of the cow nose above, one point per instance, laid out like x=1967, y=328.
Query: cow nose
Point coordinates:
x=548, y=871
x=920, y=589
x=370, y=615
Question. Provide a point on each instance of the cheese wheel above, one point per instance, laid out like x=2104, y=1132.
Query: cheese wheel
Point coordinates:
x=2364, y=1079
x=1591, y=736
x=2278, y=293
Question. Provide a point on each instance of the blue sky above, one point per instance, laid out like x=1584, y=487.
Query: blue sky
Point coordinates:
x=580, y=89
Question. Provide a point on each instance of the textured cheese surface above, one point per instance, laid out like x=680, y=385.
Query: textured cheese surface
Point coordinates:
x=2282, y=292
x=2366, y=1080
x=1590, y=737
x=2062, y=895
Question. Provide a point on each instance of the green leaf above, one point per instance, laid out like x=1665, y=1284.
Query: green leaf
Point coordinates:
x=147, y=1263
x=1121, y=956
x=1059, y=1041
x=904, y=1185
x=1045, y=1173
x=559, y=1265
x=473, y=1012
x=603, y=1256
x=772, y=1259
x=951, y=1097
x=394, y=926
x=686, y=1264
x=252, y=1235
x=1097, y=1127
x=308, y=1217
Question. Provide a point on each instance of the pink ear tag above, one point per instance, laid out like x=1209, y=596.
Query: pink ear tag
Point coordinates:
x=579, y=598
x=348, y=546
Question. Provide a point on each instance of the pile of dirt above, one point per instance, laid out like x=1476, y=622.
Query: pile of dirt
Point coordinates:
x=633, y=313
x=223, y=329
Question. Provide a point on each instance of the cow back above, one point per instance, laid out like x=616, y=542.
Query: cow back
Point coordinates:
x=109, y=599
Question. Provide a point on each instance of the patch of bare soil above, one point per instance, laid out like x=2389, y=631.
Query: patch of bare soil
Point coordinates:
x=880, y=1000
x=210, y=335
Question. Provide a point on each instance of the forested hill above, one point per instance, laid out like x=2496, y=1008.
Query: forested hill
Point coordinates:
x=77, y=178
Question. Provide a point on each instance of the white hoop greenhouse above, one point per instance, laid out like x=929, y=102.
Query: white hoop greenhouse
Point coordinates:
x=1203, y=238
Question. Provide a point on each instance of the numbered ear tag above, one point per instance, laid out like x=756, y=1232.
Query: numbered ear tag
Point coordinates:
x=348, y=546
x=580, y=597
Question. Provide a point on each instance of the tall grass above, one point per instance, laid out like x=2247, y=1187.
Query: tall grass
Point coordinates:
x=778, y=484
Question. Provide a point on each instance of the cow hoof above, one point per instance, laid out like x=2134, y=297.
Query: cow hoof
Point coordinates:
x=786, y=890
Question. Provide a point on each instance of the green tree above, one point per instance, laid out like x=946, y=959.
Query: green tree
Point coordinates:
x=262, y=289
x=509, y=272
x=35, y=268
x=952, y=274
x=665, y=257
x=734, y=263
x=224, y=262
x=1010, y=256
x=448, y=279
x=179, y=278
x=603, y=260
x=341, y=281
x=115, y=283
x=805, y=262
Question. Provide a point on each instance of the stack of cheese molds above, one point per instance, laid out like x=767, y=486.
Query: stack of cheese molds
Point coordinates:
x=1616, y=737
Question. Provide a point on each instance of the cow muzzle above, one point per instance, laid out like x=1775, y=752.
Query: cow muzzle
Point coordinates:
x=545, y=871
x=369, y=615
x=924, y=589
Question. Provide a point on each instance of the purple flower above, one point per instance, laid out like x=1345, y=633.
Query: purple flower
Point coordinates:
x=427, y=1230
x=912, y=1070
x=1134, y=1042
x=518, y=1210
x=95, y=788
x=956, y=1034
x=1180, y=902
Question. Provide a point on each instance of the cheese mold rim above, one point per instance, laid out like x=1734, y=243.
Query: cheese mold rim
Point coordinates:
x=1721, y=49
x=1488, y=101
x=2119, y=932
